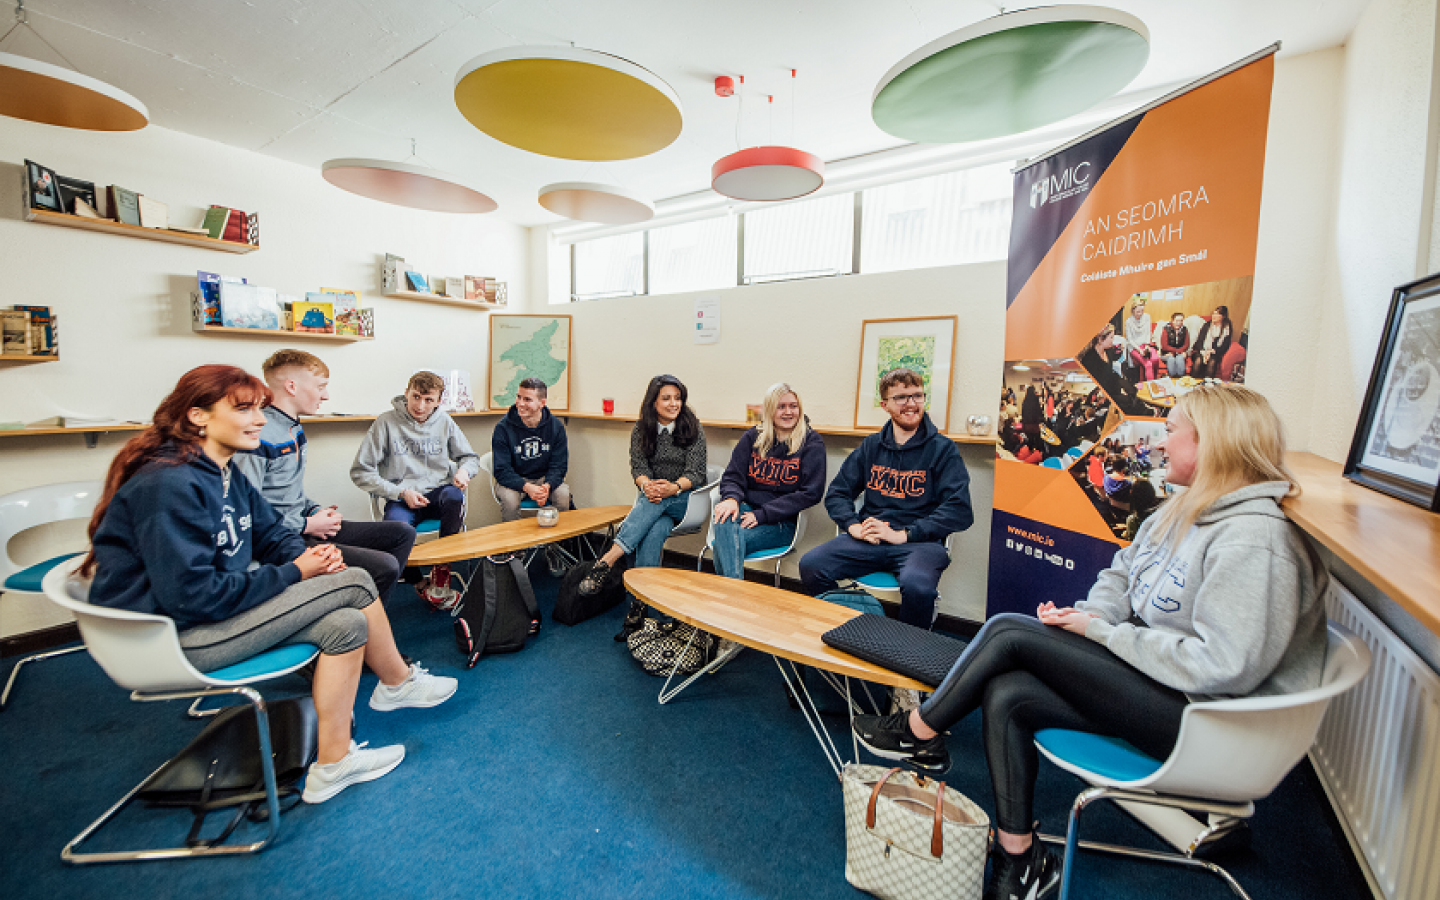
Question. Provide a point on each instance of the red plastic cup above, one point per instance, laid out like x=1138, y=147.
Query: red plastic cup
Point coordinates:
x=608, y=404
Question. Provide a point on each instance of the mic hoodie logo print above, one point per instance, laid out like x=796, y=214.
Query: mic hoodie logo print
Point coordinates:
x=896, y=483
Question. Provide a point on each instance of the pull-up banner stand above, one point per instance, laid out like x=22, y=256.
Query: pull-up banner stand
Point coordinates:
x=1132, y=253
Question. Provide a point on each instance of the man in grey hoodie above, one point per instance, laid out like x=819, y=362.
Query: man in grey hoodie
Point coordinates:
x=417, y=460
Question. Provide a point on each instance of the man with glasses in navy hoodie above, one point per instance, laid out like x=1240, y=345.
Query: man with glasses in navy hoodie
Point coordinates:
x=916, y=492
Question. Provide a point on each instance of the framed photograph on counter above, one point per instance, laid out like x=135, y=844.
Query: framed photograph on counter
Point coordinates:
x=528, y=347
x=925, y=345
x=1396, y=449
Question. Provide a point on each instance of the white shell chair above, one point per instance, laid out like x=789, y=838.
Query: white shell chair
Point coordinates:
x=1270, y=735
x=28, y=509
x=141, y=652
x=776, y=553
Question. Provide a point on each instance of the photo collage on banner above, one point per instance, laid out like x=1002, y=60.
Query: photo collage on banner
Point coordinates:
x=1132, y=256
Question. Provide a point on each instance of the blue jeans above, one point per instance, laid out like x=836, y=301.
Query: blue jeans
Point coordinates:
x=647, y=525
x=917, y=567
x=447, y=503
x=731, y=542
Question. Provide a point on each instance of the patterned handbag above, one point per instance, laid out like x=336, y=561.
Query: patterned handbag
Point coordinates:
x=657, y=645
x=912, y=838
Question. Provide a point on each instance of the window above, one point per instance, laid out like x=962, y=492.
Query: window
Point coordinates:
x=609, y=267
x=693, y=256
x=808, y=239
x=942, y=220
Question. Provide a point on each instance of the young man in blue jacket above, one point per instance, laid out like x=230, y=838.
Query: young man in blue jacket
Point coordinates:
x=916, y=492
x=530, y=453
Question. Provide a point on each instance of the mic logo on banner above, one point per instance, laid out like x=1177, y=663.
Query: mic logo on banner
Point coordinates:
x=1054, y=188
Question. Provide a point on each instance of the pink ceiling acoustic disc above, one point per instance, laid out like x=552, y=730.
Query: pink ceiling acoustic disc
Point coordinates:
x=405, y=185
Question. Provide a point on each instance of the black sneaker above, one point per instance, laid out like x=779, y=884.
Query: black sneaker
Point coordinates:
x=1033, y=875
x=890, y=737
x=594, y=580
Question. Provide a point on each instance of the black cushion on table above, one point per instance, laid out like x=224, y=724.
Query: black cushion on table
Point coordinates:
x=922, y=655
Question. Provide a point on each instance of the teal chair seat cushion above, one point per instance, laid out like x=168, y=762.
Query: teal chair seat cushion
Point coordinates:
x=29, y=579
x=272, y=661
x=880, y=580
x=428, y=526
x=527, y=503
x=761, y=555
x=1105, y=756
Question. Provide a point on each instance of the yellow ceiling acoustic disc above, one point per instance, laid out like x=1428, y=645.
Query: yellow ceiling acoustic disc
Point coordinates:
x=568, y=103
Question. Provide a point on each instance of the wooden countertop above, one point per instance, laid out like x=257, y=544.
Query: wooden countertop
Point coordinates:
x=1393, y=544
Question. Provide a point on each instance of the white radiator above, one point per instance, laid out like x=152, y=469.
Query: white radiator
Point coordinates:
x=1378, y=755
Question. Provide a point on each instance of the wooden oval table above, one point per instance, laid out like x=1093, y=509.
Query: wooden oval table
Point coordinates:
x=512, y=537
x=782, y=623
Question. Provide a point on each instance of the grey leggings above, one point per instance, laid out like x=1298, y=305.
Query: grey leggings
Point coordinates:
x=325, y=611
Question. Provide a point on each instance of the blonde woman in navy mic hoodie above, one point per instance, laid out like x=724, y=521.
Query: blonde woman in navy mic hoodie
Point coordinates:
x=916, y=492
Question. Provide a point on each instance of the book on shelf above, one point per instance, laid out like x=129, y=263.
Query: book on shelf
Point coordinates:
x=502, y=293
x=393, y=275
x=235, y=228
x=44, y=337
x=417, y=282
x=215, y=219
x=316, y=318
x=474, y=287
x=249, y=306
x=73, y=192
x=252, y=229
x=42, y=189
x=87, y=211
x=124, y=205
x=153, y=213
x=455, y=287
x=344, y=300
x=15, y=330
x=355, y=322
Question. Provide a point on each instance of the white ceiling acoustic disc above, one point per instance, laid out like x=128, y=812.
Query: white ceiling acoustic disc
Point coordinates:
x=405, y=185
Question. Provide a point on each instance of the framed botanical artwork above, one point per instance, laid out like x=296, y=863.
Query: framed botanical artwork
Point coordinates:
x=1396, y=449
x=925, y=345
x=524, y=347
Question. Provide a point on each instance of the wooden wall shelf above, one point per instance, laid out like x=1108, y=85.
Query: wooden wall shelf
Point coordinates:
x=836, y=430
x=276, y=335
x=442, y=299
x=24, y=359
x=107, y=226
x=1392, y=544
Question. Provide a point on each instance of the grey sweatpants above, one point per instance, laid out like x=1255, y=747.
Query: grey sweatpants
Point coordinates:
x=325, y=611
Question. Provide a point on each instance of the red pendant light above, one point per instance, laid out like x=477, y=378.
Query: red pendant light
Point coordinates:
x=767, y=173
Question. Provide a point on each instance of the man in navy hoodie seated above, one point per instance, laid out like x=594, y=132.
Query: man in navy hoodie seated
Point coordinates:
x=531, y=454
x=916, y=492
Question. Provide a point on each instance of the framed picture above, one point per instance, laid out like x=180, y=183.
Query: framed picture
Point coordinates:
x=524, y=347
x=1396, y=449
x=925, y=345
x=42, y=188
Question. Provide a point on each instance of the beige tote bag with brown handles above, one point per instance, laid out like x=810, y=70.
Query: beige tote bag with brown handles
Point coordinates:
x=912, y=838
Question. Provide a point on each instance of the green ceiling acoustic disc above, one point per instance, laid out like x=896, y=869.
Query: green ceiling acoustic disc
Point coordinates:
x=1011, y=73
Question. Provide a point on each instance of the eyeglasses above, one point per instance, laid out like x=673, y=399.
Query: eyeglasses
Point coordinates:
x=904, y=399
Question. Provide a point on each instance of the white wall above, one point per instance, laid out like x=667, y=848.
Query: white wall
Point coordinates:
x=124, y=303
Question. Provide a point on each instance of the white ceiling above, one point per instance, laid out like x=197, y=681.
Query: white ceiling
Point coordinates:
x=311, y=80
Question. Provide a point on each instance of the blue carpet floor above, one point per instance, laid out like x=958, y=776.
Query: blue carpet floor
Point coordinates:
x=552, y=773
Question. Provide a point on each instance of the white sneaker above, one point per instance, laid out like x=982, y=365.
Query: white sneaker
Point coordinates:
x=360, y=764
x=420, y=689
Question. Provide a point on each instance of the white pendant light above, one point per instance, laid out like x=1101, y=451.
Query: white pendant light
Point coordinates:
x=766, y=173
x=406, y=184
x=586, y=201
x=42, y=92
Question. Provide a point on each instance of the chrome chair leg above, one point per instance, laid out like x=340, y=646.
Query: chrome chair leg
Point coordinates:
x=272, y=799
x=15, y=672
x=1072, y=836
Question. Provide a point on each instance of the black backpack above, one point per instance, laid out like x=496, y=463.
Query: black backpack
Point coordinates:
x=572, y=608
x=498, y=609
x=220, y=768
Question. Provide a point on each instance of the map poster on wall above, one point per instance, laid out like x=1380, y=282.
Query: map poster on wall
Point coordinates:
x=925, y=345
x=524, y=347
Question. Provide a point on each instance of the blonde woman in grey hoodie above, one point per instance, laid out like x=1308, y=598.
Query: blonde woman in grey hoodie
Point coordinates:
x=418, y=461
x=1219, y=595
